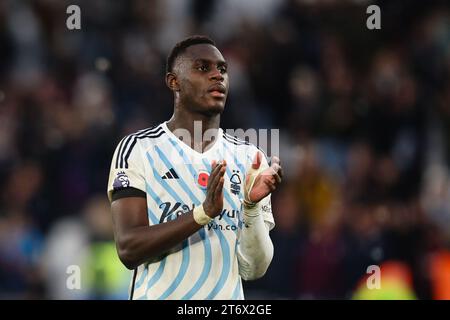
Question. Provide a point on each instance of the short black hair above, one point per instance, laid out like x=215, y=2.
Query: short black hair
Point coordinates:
x=181, y=46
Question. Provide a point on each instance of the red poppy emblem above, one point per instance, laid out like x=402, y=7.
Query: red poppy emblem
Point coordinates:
x=203, y=179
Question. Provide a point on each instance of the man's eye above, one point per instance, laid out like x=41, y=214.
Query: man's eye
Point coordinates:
x=203, y=68
x=223, y=69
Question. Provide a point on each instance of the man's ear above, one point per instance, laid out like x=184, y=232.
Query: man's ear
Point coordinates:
x=172, y=81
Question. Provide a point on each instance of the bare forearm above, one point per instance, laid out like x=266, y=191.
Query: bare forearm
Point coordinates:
x=143, y=243
x=137, y=242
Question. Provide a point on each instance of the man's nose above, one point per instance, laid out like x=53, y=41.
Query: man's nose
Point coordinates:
x=216, y=75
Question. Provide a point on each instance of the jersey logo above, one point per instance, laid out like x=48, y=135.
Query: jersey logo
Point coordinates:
x=235, y=183
x=121, y=181
x=173, y=211
x=171, y=174
x=202, y=179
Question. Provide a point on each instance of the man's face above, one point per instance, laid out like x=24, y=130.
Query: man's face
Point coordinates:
x=203, y=79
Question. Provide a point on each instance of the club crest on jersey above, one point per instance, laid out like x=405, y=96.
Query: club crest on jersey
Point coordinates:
x=235, y=183
x=202, y=179
x=121, y=181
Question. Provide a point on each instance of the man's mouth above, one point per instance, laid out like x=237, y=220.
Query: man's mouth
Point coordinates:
x=218, y=94
x=217, y=90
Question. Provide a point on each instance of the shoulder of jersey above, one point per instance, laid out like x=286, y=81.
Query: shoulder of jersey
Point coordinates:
x=239, y=142
x=235, y=140
x=128, y=143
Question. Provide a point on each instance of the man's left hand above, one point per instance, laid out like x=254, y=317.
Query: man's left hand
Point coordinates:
x=266, y=181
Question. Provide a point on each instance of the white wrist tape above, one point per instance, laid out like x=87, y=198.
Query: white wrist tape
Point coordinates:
x=251, y=174
x=200, y=216
x=251, y=210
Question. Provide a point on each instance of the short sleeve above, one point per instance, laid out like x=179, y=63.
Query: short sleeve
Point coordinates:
x=127, y=168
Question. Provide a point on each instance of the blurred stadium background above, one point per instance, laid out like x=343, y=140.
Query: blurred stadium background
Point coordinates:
x=364, y=119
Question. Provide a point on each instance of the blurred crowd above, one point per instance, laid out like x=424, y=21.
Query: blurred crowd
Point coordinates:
x=364, y=119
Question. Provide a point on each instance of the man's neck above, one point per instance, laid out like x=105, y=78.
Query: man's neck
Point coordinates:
x=196, y=124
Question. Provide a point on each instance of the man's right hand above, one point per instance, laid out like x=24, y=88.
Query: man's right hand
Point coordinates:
x=213, y=203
